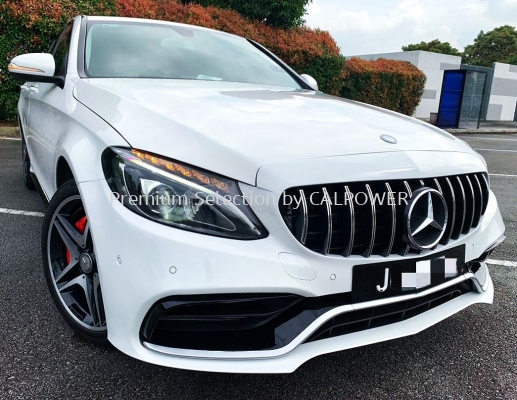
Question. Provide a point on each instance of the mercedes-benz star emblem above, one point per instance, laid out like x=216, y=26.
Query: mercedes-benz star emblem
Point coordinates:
x=389, y=139
x=426, y=218
x=86, y=263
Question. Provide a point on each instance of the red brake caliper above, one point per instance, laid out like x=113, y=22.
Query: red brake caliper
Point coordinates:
x=81, y=227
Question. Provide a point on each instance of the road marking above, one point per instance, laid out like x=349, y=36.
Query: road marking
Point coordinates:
x=505, y=175
x=9, y=138
x=502, y=263
x=503, y=150
x=21, y=212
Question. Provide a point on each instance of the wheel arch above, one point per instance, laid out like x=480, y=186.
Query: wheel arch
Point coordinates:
x=63, y=172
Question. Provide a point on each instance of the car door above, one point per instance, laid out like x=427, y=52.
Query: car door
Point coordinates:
x=47, y=115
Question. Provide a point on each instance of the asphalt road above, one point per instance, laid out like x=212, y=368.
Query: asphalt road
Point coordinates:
x=471, y=355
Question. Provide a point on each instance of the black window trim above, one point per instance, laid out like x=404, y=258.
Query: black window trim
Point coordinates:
x=61, y=34
x=81, y=48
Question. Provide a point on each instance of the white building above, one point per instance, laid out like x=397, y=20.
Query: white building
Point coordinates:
x=501, y=84
x=503, y=94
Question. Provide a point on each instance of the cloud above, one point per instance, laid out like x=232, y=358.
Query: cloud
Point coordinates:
x=313, y=9
x=474, y=8
x=377, y=26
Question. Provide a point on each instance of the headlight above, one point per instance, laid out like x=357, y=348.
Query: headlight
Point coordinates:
x=179, y=195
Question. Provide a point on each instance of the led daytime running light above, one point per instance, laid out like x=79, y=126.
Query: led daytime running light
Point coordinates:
x=186, y=172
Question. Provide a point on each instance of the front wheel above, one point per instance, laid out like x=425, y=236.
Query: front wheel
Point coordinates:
x=70, y=265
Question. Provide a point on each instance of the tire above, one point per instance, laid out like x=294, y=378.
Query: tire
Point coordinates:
x=26, y=163
x=70, y=269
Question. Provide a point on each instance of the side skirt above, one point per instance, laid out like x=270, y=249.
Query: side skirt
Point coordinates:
x=40, y=190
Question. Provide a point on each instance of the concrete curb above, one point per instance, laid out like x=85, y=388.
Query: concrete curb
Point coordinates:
x=482, y=131
x=14, y=132
x=9, y=131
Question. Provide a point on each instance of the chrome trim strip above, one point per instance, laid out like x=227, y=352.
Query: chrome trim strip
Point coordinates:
x=328, y=239
x=393, y=221
x=470, y=222
x=464, y=207
x=305, y=209
x=349, y=199
x=369, y=250
x=236, y=355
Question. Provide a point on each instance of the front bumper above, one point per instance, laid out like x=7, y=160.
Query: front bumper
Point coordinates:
x=142, y=262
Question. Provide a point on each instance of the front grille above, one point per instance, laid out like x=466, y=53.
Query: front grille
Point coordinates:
x=324, y=220
x=375, y=317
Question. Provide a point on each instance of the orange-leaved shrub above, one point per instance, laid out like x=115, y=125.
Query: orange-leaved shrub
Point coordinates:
x=395, y=85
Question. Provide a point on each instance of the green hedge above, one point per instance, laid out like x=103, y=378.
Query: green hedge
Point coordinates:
x=327, y=71
x=391, y=84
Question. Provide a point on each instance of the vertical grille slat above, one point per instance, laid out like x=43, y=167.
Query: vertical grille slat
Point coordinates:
x=410, y=192
x=349, y=202
x=406, y=248
x=478, y=201
x=486, y=192
x=328, y=239
x=373, y=223
x=387, y=252
x=469, y=204
x=305, y=217
x=461, y=208
x=438, y=186
x=450, y=199
x=362, y=219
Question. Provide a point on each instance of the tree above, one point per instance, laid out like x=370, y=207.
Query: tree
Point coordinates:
x=434, y=46
x=499, y=45
x=280, y=13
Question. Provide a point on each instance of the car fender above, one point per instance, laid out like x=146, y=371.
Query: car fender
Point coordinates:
x=87, y=136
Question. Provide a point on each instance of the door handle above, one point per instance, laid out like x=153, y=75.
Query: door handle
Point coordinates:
x=34, y=89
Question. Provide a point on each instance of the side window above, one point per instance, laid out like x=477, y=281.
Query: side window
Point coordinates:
x=61, y=49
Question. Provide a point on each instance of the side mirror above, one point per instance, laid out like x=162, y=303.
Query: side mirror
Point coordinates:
x=309, y=80
x=35, y=67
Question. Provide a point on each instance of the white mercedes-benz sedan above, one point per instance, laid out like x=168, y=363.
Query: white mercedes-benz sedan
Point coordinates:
x=209, y=209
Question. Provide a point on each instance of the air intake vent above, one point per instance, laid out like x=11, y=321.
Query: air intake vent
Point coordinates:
x=342, y=219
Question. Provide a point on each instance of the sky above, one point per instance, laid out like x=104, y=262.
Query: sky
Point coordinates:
x=382, y=26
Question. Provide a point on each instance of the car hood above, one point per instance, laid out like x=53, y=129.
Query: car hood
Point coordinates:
x=234, y=129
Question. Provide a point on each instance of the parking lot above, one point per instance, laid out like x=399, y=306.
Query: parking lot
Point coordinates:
x=471, y=355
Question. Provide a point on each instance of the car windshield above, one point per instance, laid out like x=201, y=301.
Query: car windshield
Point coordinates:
x=152, y=50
